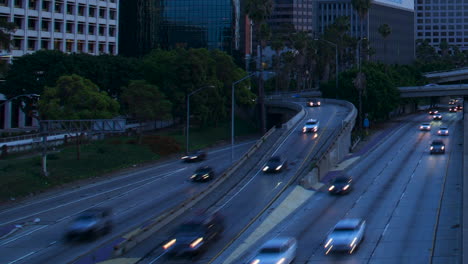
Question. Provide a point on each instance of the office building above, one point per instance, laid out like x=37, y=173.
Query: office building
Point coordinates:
x=438, y=20
x=88, y=26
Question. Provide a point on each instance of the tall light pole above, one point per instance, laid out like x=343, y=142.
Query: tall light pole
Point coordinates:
x=336, y=60
x=359, y=80
x=232, y=112
x=188, y=113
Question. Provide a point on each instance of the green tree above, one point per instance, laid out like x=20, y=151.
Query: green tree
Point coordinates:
x=258, y=11
x=362, y=8
x=277, y=45
x=385, y=30
x=74, y=97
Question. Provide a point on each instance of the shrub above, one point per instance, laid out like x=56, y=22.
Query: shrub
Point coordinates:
x=161, y=145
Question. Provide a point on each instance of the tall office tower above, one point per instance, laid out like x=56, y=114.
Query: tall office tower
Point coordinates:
x=88, y=26
x=398, y=47
x=438, y=20
x=299, y=13
x=212, y=24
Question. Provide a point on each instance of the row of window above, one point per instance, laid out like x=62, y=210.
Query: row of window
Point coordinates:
x=70, y=26
x=68, y=8
x=449, y=40
x=421, y=2
x=442, y=27
x=443, y=14
x=444, y=34
x=92, y=47
x=437, y=7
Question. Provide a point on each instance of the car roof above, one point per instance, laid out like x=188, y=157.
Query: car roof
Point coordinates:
x=312, y=120
x=348, y=223
x=443, y=128
x=426, y=124
x=276, y=242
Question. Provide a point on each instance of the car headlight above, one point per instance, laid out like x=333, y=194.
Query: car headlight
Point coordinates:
x=194, y=157
x=197, y=242
x=442, y=148
x=193, y=176
x=331, y=188
x=318, y=103
x=439, y=132
x=346, y=187
x=205, y=176
x=281, y=261
x=354, y=242
x=328, y=242
x=184, y=157
x=255, y=261
x=432, y=148
x=169, y=244
x=421, y=127
x=279, y=167
x=265, y=168
x=304, y=129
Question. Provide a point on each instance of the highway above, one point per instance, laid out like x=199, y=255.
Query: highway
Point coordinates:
x=410, y=199
x=253, y=194
x=135, y=196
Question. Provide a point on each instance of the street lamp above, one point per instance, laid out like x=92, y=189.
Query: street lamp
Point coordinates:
x=188, y=112
x=232, y=113
x=336, y=60
x=360, y=79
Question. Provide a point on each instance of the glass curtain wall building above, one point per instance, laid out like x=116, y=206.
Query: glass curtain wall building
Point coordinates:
x=179, y=23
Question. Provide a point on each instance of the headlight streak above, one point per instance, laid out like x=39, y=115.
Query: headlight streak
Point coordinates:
x=281, y=261
x=255, y=261
x=328, y=242
x=346, y=187
x=331, y=188
x=279, y=167
x=265, y=168
x=169, y=244
x=328, y=251
x=196, y=242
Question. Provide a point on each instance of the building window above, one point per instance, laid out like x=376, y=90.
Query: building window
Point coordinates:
x=46, y=6
x=112, y=14
x=92, y=11
x=31, y=44
x=81, y=46
x=57, y=44
x=18, y=21
x=18, y=3
x=45, y=25
x=102, y=48
x=69, y=46
x=102, y=12
x=81, y=28
x=91, y=46
x=69, y=27
x=102, y=30
x=111, y=48
x=58, y=26
x=3, y=2
x=32, y=6
x=17, y=43
x=81, y=10
x=32, y=24
x=58, y=7
x=112, y=31
x=91, y=29
x=70, y=8
x=45, y=44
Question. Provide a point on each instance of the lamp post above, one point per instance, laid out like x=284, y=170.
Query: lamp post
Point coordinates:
x=232, y=112
x=188, y=113
x=360, y=80
x=336, y=60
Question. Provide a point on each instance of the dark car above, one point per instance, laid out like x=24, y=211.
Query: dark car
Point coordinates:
x=194, y=236
x=313, y=103
x=437, y=117
x=275, y=164
x=198, y=155
x=204, y=173
x=90, y=224
x=459, y=107
x=437, y=146
x=453, y=109
x=340, y=185
x=433, y=111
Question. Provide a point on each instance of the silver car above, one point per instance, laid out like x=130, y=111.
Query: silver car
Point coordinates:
x=346, y=235
x=312, y=125
x=90, y=224
x=443, y=131
x=277, y=250
x=425, y=127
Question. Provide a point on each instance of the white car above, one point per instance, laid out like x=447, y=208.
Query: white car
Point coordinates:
x=443, y=131
x=312, y=125
x=279, y=250
x=425, y=127
x=346, y=235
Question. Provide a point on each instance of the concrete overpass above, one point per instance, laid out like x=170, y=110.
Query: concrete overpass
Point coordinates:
x=447, y=76
x=435, y=90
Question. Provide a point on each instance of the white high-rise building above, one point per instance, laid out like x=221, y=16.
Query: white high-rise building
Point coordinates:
x=87, y=26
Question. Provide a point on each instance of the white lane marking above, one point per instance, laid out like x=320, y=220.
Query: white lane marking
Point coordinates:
x=385, y=230
x=132, y=174
x=52, y=243
x=240, y=190
x=23, y=257
x=402, y=195
x=158, y=257
x=94, y=195
x=18, y=237
x=359, y=199
x=278, y=184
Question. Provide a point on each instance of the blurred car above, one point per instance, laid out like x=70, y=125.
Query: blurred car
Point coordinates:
x=204, y=173
x=198, y=155
x=195, y=235
x=425, y=127
x=90, y=224
x=277, y=250
x=437, y=117
x=346, y=235
x=312, y=125
x=437, y=146
x=451, y=101
x=431, y=85
x=453, y=109
x=443, y=131
x=340, y=185
x=313, y=102
x=433, y=112
x=275, y=164
x=459, y=107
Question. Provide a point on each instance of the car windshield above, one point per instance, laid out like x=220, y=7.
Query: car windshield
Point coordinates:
x=275, y=159
x=344, y=230
x=202, y=170
x=86, y=217
x=190, y=228
x=311, y=123
x=270, y=250
x=437, y=143
x=443, y=128
x=425, y=124
x=341, y=180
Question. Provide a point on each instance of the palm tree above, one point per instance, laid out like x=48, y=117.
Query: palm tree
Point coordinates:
x=362, y=8
x=385, y=30
x=258, y=11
